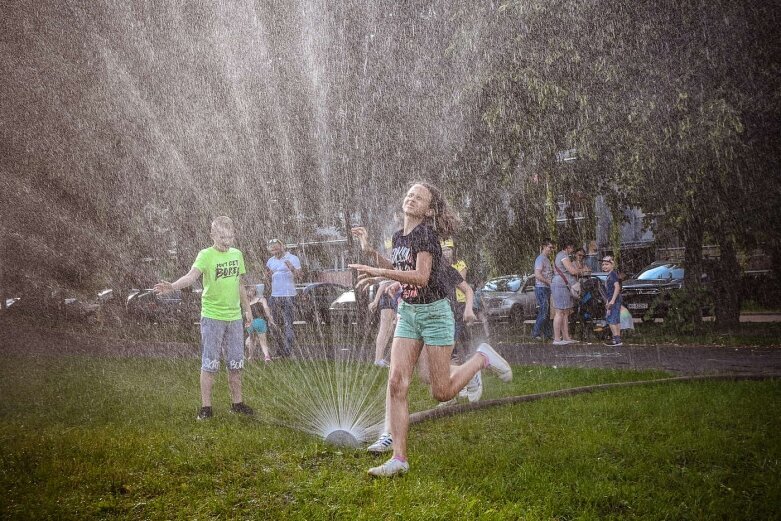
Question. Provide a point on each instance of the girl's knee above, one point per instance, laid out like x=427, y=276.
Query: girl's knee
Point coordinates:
x=398, y=385
x=441, y=394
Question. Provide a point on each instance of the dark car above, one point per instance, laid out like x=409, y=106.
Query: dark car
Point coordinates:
x=652, y=289
x=510, y=297
x=177, y=306
x=314, y=300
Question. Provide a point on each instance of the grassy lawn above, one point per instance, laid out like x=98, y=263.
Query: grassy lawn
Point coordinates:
x=746, y=334
x=84, y=438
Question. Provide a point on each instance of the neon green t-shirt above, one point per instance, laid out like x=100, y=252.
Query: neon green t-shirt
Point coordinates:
x=221, y=283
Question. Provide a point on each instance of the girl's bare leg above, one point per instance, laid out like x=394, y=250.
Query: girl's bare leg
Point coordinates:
x=384, y=334
x=250, y=345
x=264, y=345
x=565, y=324
x=445, y=379
x=557, y=321
x=404, y=355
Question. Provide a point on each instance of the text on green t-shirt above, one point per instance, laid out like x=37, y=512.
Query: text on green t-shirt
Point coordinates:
x=221, y=271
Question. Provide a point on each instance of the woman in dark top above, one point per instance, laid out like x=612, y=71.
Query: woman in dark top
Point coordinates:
x=424, y=314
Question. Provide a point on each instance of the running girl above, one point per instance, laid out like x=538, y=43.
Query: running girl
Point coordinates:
x=424, y=315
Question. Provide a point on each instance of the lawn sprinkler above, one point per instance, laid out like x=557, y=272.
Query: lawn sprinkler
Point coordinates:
x=342, y=438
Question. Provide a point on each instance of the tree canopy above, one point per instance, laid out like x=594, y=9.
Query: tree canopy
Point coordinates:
x=128, y=127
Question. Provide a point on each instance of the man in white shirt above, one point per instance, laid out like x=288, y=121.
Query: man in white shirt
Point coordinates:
x=282, y=270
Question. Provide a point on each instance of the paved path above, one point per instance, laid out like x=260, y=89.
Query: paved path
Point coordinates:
x=686, y=360
x=683, y=360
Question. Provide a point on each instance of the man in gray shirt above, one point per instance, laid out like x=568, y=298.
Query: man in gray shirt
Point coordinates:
x=543, y=273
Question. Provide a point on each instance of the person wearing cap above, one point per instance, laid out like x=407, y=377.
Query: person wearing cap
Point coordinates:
x=458, y=301
x=612, y=300
x=282, y=269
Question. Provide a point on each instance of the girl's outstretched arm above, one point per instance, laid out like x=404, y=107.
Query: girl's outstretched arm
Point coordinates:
x=417, y=277
x=362, y=235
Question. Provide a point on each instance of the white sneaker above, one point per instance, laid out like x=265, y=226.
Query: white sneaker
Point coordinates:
x=474, y=388
x=560, y=342
x=496, y=363
x=452, y=401
x=392, y=467
x=383, y=444
x=570, y=341
x=381, y=363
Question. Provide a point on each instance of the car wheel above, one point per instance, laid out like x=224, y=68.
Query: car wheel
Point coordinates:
x=516, y=315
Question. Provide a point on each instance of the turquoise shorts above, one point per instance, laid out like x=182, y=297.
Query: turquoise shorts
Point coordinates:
x=258, y=325
x=433, y=323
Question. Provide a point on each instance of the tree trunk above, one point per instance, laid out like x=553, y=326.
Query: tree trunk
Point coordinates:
x=692, y=235
x=726, y=286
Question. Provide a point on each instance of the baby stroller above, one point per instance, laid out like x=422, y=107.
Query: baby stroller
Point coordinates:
x=588, y=317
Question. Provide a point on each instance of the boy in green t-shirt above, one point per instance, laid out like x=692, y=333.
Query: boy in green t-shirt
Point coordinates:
x=222, y=303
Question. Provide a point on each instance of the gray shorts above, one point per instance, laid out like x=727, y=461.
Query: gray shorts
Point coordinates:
x=562, y=299
x=221, y=337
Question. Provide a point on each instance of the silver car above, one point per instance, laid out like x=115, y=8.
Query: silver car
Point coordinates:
x=510, y=297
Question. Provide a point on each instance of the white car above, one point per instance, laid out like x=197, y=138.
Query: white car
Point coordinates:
x=510, y=297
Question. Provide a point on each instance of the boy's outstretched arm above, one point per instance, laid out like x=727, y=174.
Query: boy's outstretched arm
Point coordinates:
x=188, y=280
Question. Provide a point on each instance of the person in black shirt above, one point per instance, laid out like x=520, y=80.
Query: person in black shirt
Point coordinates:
x=424, y=314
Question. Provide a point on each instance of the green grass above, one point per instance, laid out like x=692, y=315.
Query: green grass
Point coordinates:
x=84, y=438
x=765, y=334
x=753, y=306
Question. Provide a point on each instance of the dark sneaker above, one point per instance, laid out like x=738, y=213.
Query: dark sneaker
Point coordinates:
x=612, y=343
x=242, y=408
x=204, y=413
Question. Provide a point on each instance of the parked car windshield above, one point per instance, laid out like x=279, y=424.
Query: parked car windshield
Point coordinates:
x=503, y=284
x=662, y=271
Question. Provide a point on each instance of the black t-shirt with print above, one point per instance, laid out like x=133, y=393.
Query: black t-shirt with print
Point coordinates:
x=404, y=258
